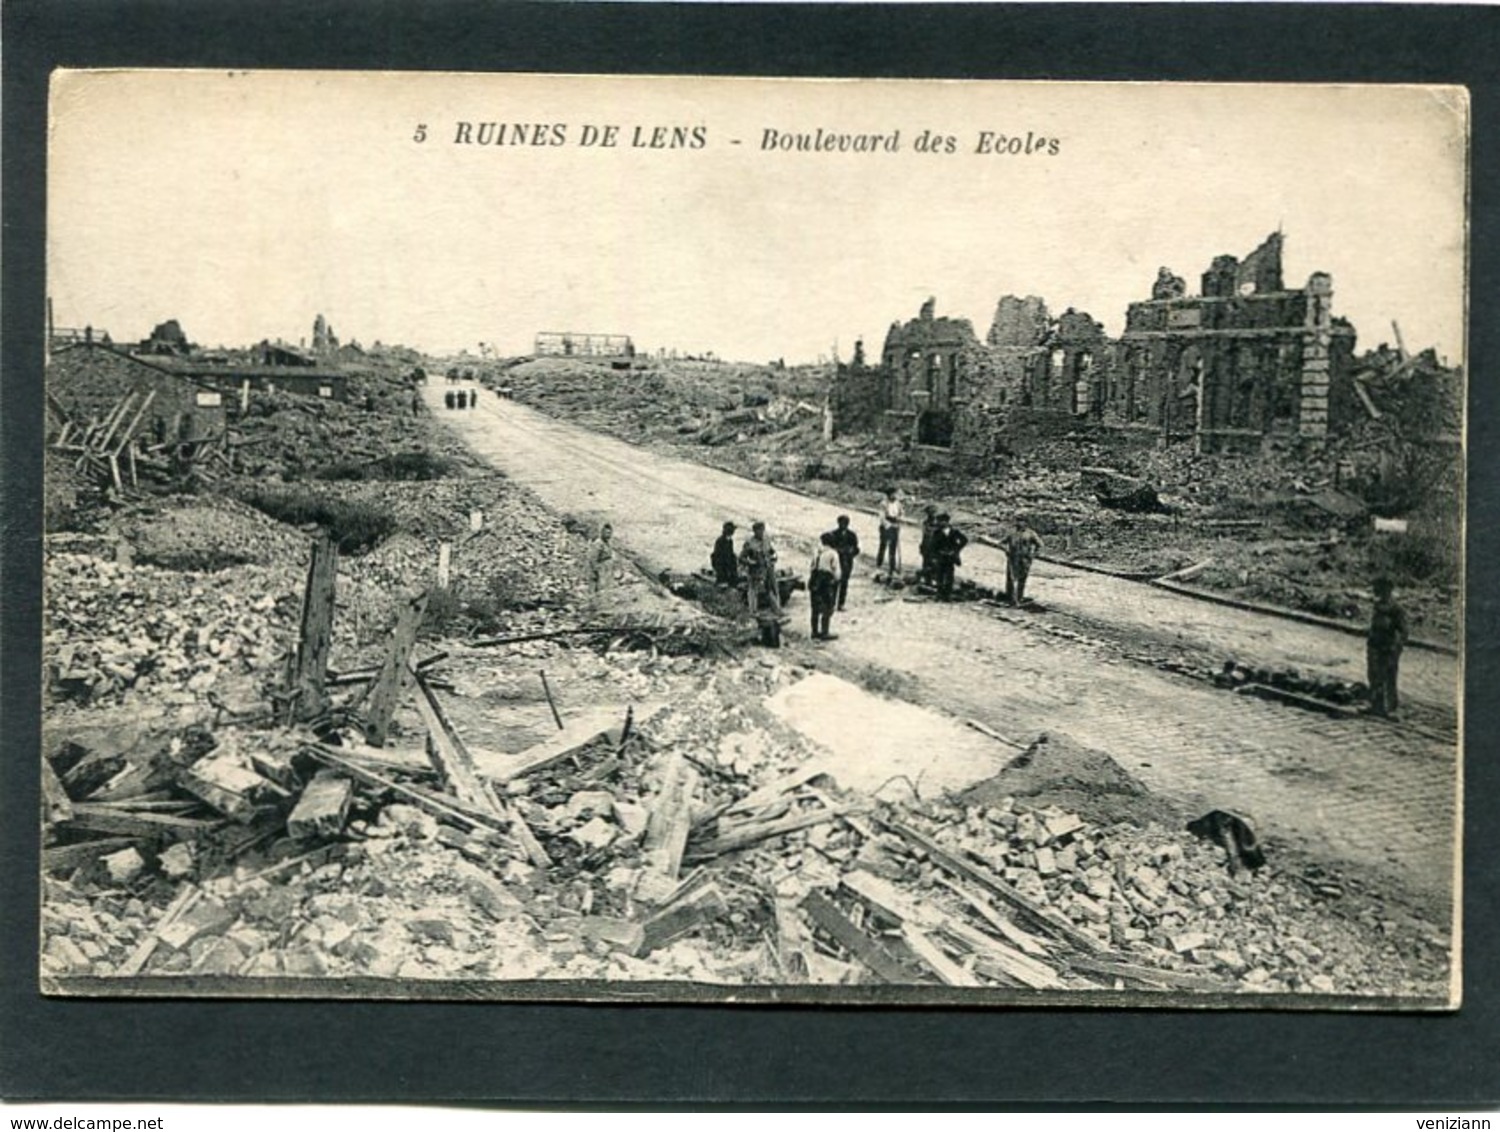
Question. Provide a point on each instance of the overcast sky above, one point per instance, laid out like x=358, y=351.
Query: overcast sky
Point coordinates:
x=243, y=205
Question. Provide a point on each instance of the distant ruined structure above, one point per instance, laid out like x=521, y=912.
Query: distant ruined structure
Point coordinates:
x=1244, y=361
x=325, y=343
x=571, y=344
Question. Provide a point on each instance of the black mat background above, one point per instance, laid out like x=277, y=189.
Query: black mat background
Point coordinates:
x=737, y=1056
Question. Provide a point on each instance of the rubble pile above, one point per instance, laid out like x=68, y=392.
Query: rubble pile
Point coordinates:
x=703, y=841
x=118, y=632
x=289, y=437
x=203, y=533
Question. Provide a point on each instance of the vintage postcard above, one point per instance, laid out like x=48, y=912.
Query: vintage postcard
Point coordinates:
x=753, y=540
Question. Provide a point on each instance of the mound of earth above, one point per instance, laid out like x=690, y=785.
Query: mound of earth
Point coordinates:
x=1056, y=771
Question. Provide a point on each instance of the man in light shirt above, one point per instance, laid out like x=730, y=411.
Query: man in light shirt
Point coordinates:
x=890, y=533
x=823, y=586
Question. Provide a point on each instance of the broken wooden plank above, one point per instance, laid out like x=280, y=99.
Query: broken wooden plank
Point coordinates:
x=703, y=904
x=826, y=917
x=449, y=755
x=396, y=673
x=671, y=818
x=315, y=635
x=755, y=832
x=138, y=958
x=1014, y=965
x=1039, y=917
x=63, y=858
x=442, y=809
x=765, y=795
x=90, y=773
x=1024, y=940
x=1152, y=976
x=135, y=823
x=323, y=808
x=934, y=959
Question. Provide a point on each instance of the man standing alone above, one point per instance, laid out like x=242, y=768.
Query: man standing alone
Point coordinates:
x=1022, y=545
x=890, y=533
x=846, y=543
x=601, y=561
x=822, y=586
x=1383, y=648
x=948, y=543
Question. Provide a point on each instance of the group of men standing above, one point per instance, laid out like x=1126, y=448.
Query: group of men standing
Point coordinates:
x=833, y=558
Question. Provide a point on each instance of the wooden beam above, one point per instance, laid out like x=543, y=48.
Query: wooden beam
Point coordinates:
x=671, y=818
x=395, y=677
x=759, y=831
x=828, y=919
x=449, y=755
x=441, y=809
x=61, y=858
x=136, y=823
x=456, y=765
x=315, y=638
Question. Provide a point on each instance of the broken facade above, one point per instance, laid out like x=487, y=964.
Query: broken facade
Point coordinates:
x=1245, y=360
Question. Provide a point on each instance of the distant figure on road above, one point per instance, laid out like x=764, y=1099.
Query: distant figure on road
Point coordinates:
x=448, y=401
x=890, y=534
x=1383, y=646
x=416, y=404
x=948, y=543
x=929, y=524
x=846, y=543
x=823, y=586
x=601, y=561
x=1022, y=545
x=758, y=560
x=726, y=565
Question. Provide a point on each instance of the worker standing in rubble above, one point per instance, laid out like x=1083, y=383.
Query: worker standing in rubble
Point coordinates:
x=601, y=561
x=890, y=534
x=948, y=543
x=758, y=560
x=1022, y=545
x=723, y=560
x=1383, y=645
x=823, y=585
x=846, y=543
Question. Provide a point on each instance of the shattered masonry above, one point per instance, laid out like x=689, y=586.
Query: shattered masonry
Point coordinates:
x=1243, y=360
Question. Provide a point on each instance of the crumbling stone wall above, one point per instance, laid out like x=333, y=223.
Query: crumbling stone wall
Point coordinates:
x=1244, y=360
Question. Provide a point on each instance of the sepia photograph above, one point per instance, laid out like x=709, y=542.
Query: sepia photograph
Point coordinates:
x=744, y=540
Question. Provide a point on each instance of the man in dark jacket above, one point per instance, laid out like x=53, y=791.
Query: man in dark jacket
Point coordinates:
x=1383, y=646
x=846, y=543
x=929, y=524
x=948, y=543
x=725, y=562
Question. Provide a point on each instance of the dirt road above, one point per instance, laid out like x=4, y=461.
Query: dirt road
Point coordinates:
x=1345, y=791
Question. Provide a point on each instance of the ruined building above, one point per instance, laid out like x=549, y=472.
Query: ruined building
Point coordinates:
x=1245, y=360
x=324, y=341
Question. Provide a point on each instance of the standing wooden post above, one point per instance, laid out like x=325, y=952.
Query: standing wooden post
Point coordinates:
x=395, y=677
x=445, y=564
x=311, y=666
